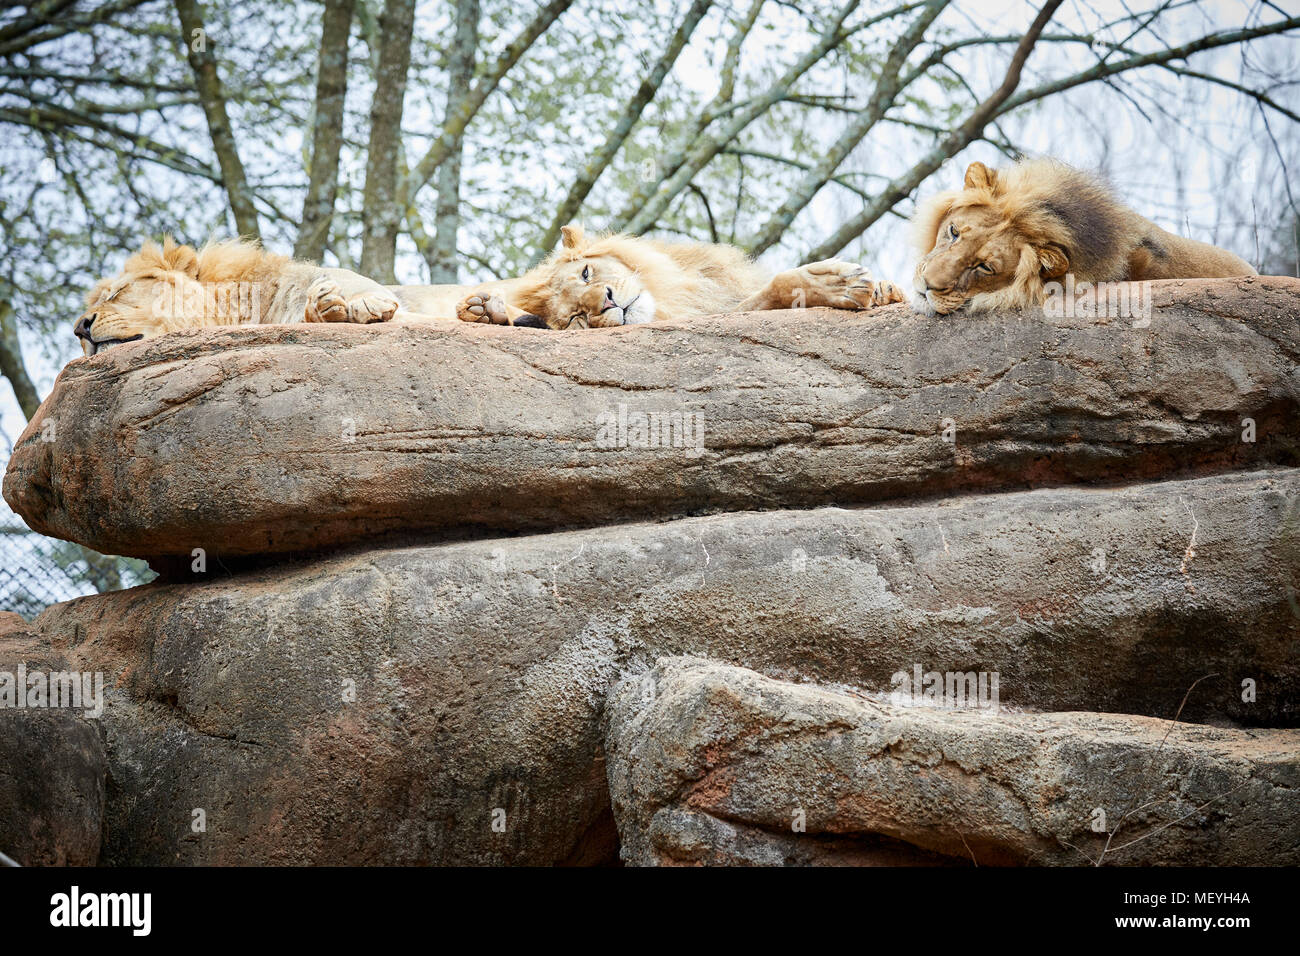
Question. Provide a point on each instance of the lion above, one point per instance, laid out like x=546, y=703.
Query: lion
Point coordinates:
x=603, y=282
x=613, y=280
x=995, y=243
x=170, y=287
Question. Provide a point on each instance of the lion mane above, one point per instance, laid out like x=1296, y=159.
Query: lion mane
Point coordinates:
x=995, y=243
x=163, y=288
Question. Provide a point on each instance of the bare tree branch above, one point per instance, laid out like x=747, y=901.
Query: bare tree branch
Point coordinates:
x=886, y=93
x=716, y=108
x=30, y=32
x=602, y=158
x=1101, y=70
x=638, y=220
x=903, y=185
x=949, y=146
x=454, y=125
x=62, y=121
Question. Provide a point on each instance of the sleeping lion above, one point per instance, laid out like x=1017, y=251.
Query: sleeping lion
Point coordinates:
x=588, y=283
x=995, y=243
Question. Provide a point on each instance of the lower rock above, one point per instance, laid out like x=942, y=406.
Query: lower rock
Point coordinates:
x=443, y=704
x=713, y=763
x=53, y=769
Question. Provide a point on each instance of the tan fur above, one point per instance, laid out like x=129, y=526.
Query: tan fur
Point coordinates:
x=169, y=287
x=606, y=280
x=165, y=288
x=1019, y=228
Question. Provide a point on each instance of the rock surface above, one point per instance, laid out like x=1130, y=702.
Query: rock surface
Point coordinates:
x=711, y=764
x=53, y=769
x=384, y=706
x=288, y=438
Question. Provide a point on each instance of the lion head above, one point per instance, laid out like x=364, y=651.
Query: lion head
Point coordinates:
x=595, y=283
x=994, y=243
x=169, y=287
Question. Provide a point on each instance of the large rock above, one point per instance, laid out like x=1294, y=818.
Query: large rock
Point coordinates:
x=53, y=769
x=716, y=764
x=285, y=438
x=396, y=704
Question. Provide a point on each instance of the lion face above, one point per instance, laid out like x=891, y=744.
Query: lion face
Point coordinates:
x=974, y=253
x=135, y=306
x=582, y=291
x=978, y=254
x=153, y=294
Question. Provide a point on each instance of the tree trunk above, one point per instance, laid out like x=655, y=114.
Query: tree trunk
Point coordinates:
x=213, y=97
x=382, y=213
x=327, y=131
x=443, y=265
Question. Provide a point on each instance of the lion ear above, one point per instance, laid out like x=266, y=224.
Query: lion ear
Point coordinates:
x=180, y=258
x=571, y=236
x=979, y=176
x=1052, y=262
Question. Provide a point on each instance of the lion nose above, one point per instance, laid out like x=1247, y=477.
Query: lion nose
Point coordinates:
x=609, y=297
x=82, y=328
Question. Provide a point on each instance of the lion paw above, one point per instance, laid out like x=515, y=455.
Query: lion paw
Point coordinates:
x=838, y=284
x=325, y=302
x=372, y=307
x=482, y=307
x=884, y=293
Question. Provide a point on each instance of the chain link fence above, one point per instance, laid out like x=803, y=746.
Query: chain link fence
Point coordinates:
x=36, y=571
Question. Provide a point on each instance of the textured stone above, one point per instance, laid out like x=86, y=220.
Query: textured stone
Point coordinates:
x=481, y=669
x=287, y=438
x=710, y=763
x=52, y=766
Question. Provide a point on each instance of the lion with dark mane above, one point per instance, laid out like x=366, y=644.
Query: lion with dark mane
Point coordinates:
x=996, y=243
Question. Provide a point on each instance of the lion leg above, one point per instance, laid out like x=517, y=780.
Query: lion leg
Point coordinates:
x=831, y=283
x=325, y=302
x=886, y=293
